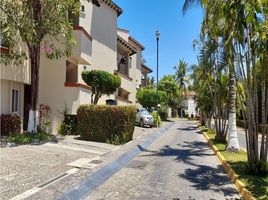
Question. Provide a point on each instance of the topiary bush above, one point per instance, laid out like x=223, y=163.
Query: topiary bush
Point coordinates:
x=10, y=124
x=102, y=82
x=104, y=123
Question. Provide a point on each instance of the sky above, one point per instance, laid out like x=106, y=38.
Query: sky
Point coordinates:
x=177, y=32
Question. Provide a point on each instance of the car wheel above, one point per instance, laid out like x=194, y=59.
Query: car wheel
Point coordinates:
x=141, y=123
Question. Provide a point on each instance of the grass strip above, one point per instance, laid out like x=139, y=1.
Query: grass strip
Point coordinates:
x=256, y=184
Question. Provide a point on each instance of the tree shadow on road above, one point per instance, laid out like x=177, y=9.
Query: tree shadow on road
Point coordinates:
x=202, y=176
x=205, y=178
x=188, y=128
x=183, y=153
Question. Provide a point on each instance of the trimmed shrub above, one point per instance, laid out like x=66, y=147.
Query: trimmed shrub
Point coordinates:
x=104, y=123
x=10, y=124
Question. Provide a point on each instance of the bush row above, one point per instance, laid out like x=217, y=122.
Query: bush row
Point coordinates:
x=102, y=123
x=10, y=124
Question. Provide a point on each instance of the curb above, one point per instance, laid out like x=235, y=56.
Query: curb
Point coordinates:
x=228, y=169
x=90, y=183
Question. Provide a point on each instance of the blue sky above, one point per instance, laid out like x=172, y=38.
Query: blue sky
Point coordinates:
x=177, y=32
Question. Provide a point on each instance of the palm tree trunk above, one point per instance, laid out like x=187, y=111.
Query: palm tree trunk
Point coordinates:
x=232, y=142
x=264, y=112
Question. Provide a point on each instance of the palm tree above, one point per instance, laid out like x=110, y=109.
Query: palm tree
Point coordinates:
x=218, y=24
x=180, y=77
x=150, y=83
x=180, y=73
x=244, y=33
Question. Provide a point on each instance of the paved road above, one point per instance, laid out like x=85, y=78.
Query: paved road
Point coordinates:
x=26, y=169
x=242, y=138
x=179, y=165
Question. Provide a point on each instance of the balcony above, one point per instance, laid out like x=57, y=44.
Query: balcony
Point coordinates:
x=123, y=95
x=82, y=50
x=72, y=73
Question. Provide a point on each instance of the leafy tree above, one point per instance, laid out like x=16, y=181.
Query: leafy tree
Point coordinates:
x=102, y=82
x=37, y=24
x=148, y=97
x=169, y=85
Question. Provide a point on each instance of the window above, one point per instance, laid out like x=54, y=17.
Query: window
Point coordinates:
x=15, y=101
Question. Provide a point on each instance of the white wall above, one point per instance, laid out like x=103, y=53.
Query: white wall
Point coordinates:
x=6, y=97
x=104, y=34
x=53, y=92
x=191, y=106
x=123, y=34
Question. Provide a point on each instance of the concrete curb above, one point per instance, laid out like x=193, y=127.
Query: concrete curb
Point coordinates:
x=234, y=177
x=90, y=183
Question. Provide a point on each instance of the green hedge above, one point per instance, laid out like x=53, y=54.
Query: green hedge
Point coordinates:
x=104, y=123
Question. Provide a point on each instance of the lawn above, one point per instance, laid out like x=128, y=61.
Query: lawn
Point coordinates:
x=257, y=185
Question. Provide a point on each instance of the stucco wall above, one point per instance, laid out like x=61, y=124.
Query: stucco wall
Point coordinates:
x=191, y=106
x=104, y=34
x=123, y=34
x=85, y=19
x=6, y=97
x=19, y=73
x=82, y=48
x=53, y=92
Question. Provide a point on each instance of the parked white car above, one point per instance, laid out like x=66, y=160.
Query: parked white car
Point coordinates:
x=144, y=118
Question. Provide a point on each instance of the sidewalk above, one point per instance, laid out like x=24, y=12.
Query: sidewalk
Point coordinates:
x=179, y=165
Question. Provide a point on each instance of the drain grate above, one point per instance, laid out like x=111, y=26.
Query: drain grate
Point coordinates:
x=137, y=164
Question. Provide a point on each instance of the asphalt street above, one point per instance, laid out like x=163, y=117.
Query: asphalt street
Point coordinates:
x=179, y=165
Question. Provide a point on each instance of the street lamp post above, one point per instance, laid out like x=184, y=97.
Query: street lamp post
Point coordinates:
x=157, y=35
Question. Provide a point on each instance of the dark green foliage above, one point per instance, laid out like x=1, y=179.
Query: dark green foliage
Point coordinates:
x=163, y=115
x=148, y=97
x=27, y=138
x=10, y=124
x=103, y=123
x=102, y=82
x=68, y=125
